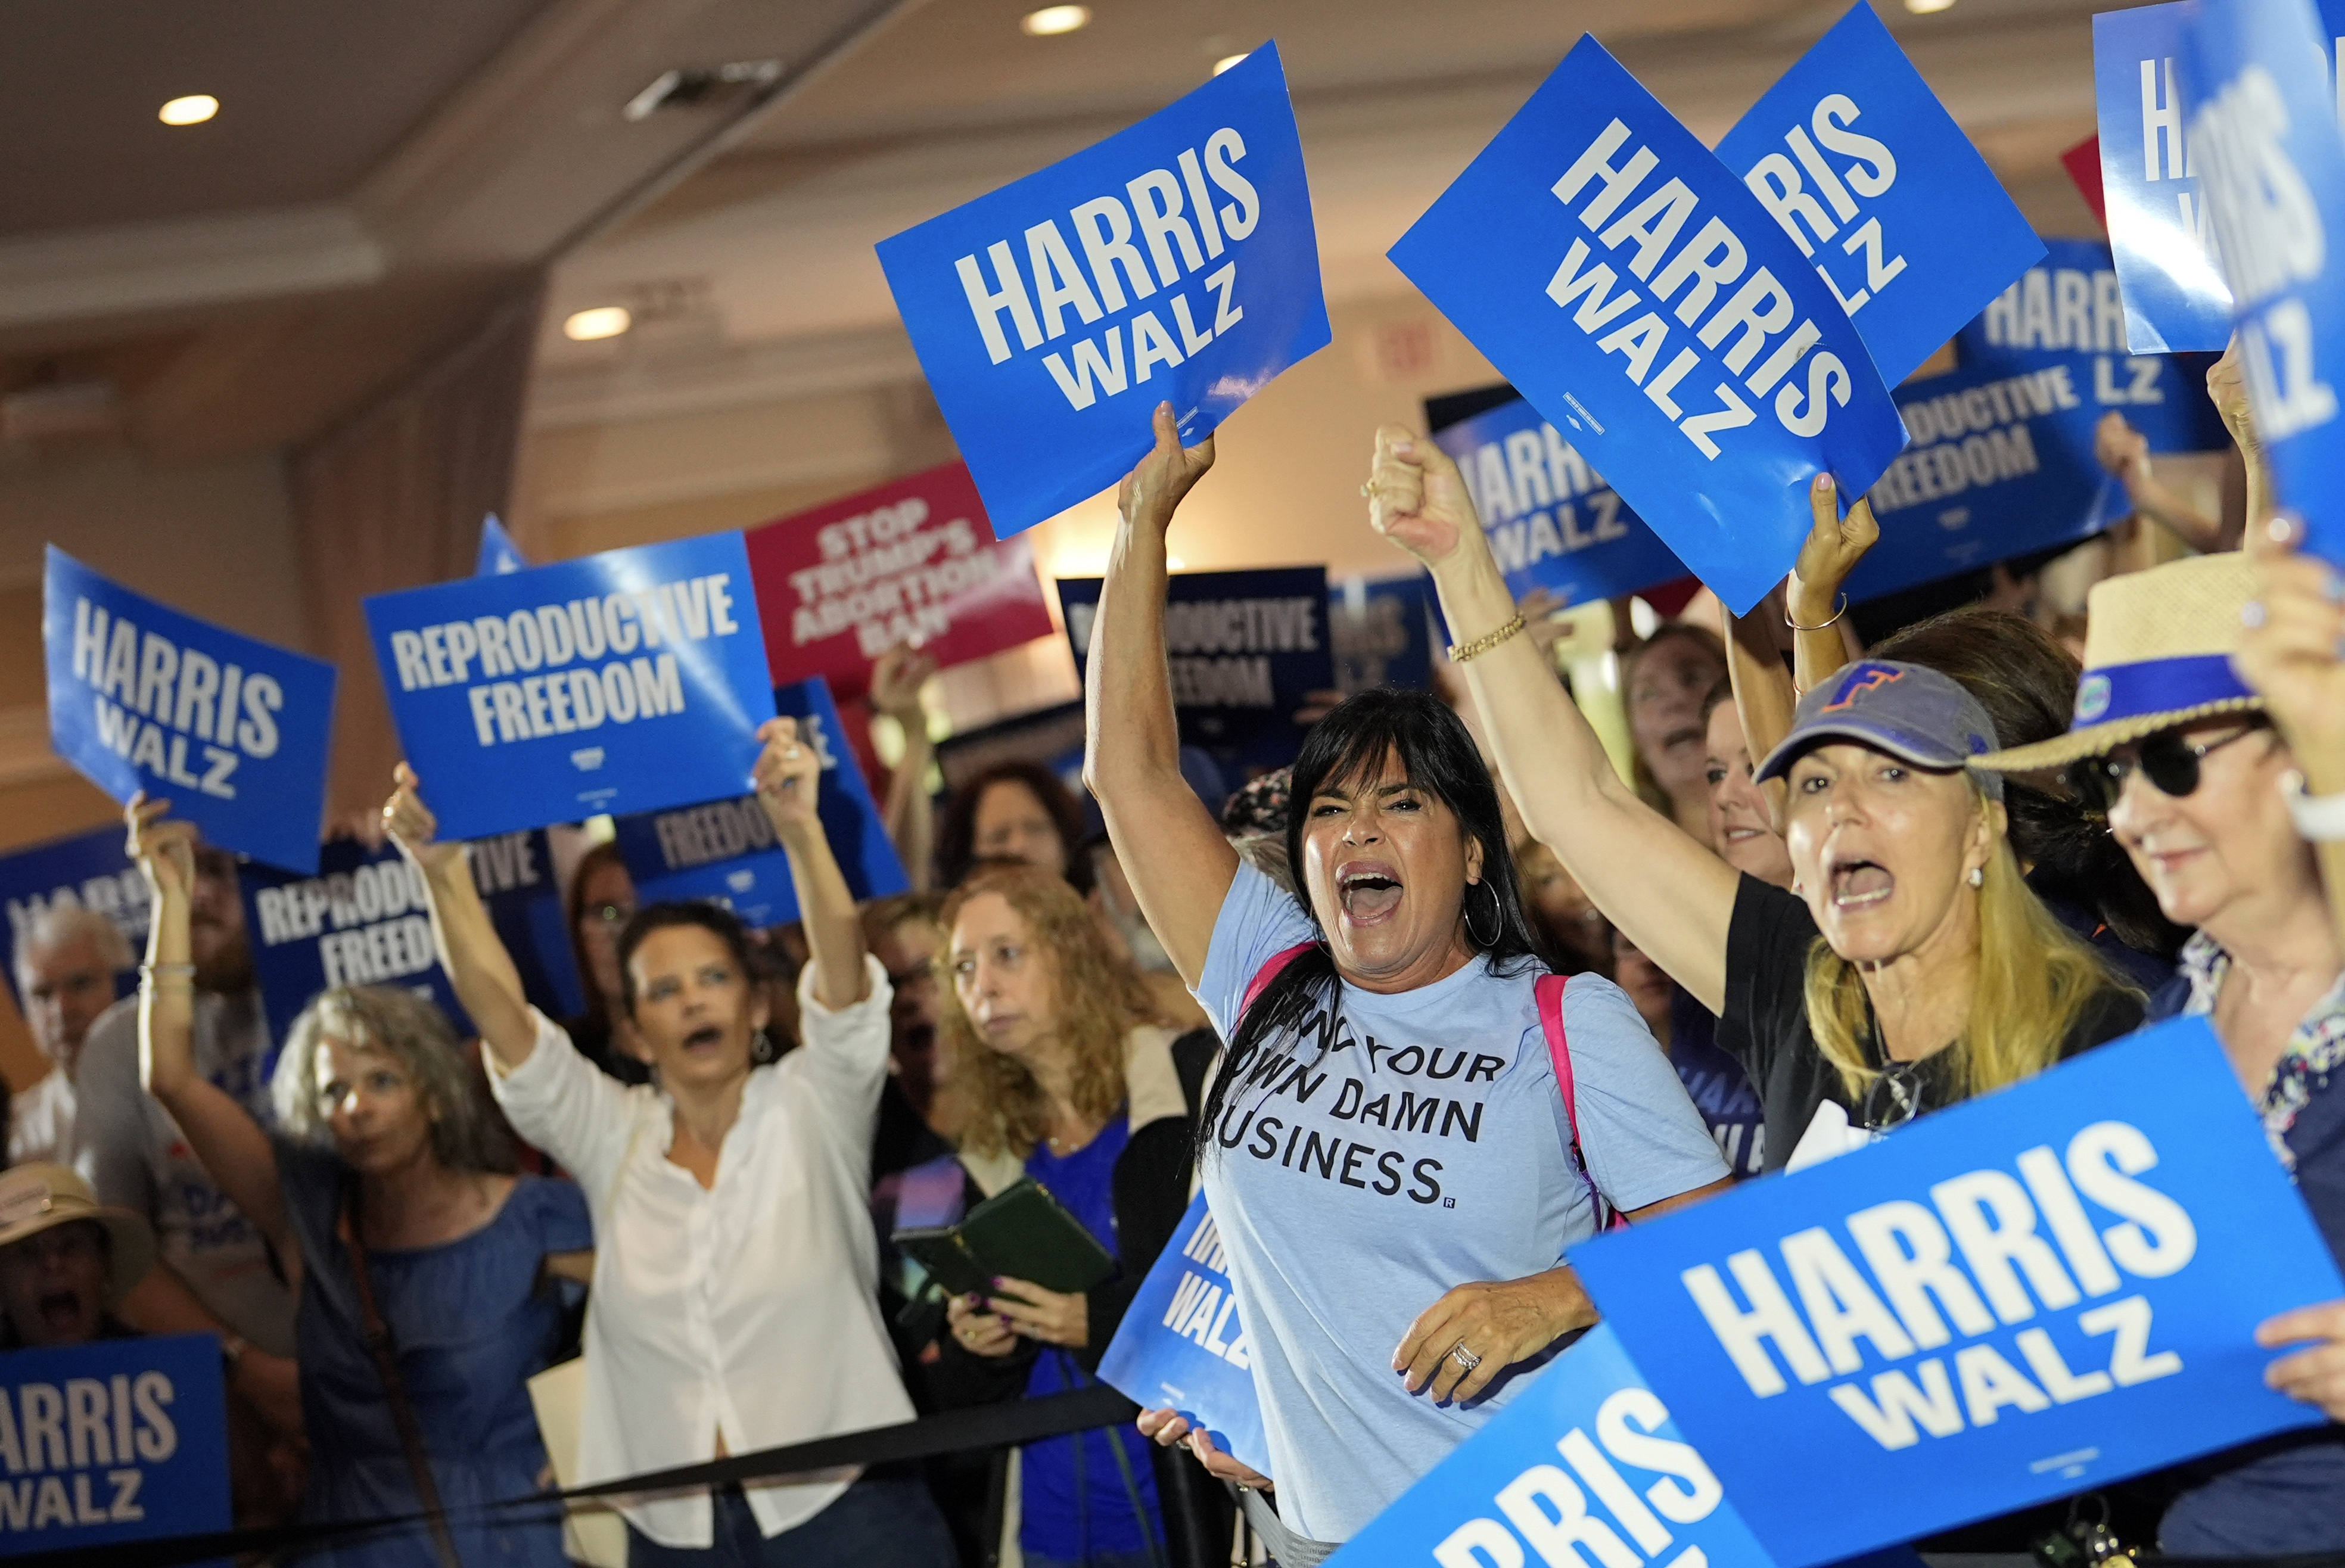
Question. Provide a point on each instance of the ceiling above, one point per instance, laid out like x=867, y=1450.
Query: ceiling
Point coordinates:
x=379, y=173
x=376, y=175
x=759, y=266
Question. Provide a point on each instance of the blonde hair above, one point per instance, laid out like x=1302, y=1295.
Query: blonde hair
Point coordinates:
x=1096, y=999
x=2035, y=979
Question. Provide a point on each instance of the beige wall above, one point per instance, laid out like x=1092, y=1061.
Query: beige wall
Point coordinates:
x=212, y=538
x=1284, y=491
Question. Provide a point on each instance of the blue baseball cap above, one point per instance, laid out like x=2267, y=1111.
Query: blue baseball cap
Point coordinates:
x=1909, y=710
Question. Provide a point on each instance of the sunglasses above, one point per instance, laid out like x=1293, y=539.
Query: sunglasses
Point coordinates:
x=2170, y=760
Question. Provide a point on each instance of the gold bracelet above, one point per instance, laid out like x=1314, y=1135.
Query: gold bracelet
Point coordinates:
x=1461, y=652
x=1823, y=625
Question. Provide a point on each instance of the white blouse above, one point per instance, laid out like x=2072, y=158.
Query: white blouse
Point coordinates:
x=746, y=1310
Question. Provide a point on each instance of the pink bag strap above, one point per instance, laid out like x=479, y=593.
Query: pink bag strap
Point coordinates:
x=1272, y=967
x=1550, y=991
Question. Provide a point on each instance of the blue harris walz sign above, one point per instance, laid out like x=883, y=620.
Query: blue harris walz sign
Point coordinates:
x=2168, y=252
x=1552, y=520
x=1246, y=650
x=87, y=871
x=1173, y=261
x=2263, y=134
x=1584, y=1465
x=2015, y=1299
x=1645, y=302
x=233, y=731
x=1183, y=1347
x=725, y=850
x=1875, y=182
x=627, y=680
x=113, y=1441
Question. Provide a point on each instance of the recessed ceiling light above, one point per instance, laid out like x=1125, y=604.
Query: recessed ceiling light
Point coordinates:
x=1226, y=61
x=192, y=110
x=1924, y=8
x=1051, y=20
x=602, y=321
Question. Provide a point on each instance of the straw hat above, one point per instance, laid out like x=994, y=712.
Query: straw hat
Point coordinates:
x=36, y=1197
x=2157, y=653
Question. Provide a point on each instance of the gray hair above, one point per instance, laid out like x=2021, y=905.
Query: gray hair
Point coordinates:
x=62, y=923
x=410, y=1028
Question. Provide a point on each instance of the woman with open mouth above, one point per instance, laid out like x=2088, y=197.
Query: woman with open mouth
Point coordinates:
x=1414, y=1119
x=734, y=1283
x=1937, y=977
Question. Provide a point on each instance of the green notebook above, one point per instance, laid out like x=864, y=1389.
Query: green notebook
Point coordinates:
x=1022, y=1232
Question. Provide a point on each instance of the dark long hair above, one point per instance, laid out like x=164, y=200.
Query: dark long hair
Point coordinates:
x=956, y=826
x=1439, y=757
x=2027, y=684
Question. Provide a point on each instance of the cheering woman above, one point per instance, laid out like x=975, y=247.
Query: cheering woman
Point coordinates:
x=735, y=1269
x=1385, y=1148
x=1938, y=975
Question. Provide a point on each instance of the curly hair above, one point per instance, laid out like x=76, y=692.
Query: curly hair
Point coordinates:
x=417, y=1035
x=1096, y=999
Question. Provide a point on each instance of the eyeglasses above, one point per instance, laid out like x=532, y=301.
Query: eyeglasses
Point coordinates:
x=1899, y=1094
x=2170, y=760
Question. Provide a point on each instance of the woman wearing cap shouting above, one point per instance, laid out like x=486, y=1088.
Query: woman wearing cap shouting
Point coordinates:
x=2197, y=783
x=1939, y=975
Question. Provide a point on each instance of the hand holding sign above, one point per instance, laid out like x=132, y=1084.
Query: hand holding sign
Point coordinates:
x=896, y=683
x=2316, y=1376
x=787, y=774
x=411, y=825
x=164, y=849
x=1153, y=491
x=1834, y=545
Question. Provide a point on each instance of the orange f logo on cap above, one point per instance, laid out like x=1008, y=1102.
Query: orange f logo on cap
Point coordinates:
x=1863, y=678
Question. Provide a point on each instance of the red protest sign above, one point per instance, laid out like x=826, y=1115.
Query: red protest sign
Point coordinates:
x=914, y=561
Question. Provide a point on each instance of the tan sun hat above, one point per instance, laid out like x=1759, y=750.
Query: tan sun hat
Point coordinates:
x=2157, y=653
x=37, y=1196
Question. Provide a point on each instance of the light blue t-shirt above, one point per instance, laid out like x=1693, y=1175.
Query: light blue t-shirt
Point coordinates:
x=1424, y=1148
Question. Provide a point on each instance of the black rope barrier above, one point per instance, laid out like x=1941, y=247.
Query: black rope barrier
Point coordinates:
x=953, y=1432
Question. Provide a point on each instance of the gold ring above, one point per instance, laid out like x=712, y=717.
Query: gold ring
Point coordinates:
x=1370, y=490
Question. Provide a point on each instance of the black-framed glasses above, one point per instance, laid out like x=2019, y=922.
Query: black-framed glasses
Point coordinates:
x=2170, y=760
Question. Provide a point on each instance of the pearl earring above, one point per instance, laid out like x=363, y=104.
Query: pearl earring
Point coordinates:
x=1979, y=876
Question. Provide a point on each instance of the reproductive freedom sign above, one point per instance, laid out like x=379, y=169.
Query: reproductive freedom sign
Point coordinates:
x=627, y=680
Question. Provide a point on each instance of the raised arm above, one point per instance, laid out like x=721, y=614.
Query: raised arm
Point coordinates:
x=910, y=813
x=1673, y=897
x=788, y=773
x=474, y=956
x=1813, y=602
x=1763, y=694
x=226, y=1141
x=1172, y=849
x=2291, y=655
x=2122, y=453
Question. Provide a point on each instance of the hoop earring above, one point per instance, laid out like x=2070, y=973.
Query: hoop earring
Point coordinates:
x=1497, y=918
x=761, y=1049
